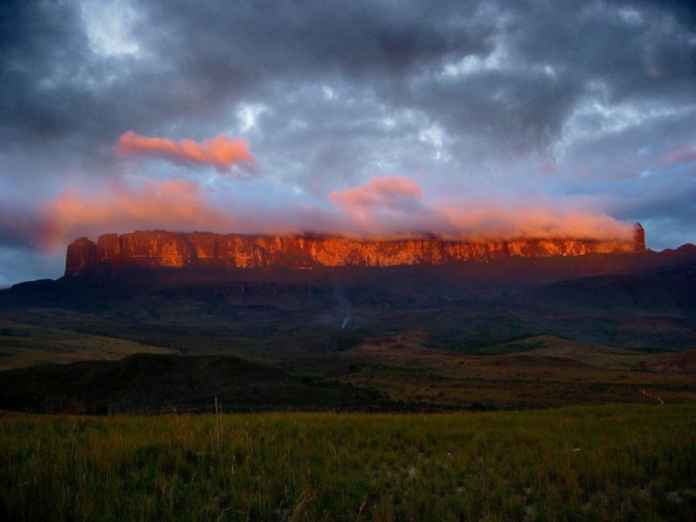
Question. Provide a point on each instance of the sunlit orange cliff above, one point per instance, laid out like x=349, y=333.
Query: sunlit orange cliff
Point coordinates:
x=155, y=249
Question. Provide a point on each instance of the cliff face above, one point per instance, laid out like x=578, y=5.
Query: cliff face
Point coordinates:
x=155, y=249
x=81, y=256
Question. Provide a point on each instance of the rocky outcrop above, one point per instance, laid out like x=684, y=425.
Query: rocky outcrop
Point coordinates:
x=638, y=237
x=81, y=255
x=160, y=249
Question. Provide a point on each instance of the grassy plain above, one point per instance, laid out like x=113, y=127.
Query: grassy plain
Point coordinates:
x=621, y=462
x=407, y=368
x=23, y=345
x=530, y=372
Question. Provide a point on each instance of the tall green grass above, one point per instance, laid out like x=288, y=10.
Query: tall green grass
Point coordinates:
x=576, y=464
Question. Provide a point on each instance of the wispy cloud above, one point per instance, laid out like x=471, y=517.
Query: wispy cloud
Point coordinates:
x=172, y=205
x=220, y=152
x=396, y=205
x=385, y=194
x=683, y=154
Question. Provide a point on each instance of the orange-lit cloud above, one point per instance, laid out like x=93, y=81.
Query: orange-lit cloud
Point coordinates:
x=220, y=152
x=386, y=194
x=538, y=220
x=171, y=205
x=384, y=207
x=395, y=205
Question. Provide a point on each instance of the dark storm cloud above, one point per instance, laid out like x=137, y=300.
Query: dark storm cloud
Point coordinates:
x=38, y=42
x=63, y=95
x=635, y=50
x=551, y=56
x=56, y=105
x=198, y=57
x=20, y=228
x=253, y=39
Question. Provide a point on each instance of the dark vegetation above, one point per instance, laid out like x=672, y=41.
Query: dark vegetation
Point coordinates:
x=166, y=383
x=592, y=463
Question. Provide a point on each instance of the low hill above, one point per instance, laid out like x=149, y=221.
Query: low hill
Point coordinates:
x=161, y=383
x=23, y=345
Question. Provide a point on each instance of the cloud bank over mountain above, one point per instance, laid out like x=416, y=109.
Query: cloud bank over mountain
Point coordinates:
x=562, y=114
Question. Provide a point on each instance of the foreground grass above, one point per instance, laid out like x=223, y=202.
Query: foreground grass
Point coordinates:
x=589, y=463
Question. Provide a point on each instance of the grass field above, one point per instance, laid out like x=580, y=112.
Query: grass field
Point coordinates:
x=23, y=345
x=531, y=372
x=579, y=463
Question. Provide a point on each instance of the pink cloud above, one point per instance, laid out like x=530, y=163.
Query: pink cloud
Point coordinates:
x=220, y=152
x=495, y=219
x=683, y=154
x=172, y=205
x=549, y=167
x=384, y=207
x=395, y=206
x=386, y=194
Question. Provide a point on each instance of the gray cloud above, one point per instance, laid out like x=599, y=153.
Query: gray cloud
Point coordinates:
x=542, y=58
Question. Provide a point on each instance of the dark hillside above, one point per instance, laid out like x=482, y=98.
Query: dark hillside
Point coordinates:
x=157, y=383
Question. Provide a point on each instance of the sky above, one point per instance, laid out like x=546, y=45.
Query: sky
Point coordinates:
x=368, y=118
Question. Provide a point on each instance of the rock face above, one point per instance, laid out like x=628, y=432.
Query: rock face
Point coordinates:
x=639, y=237
x=81, y=256
x=159, y=249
